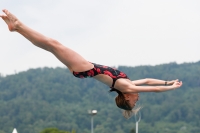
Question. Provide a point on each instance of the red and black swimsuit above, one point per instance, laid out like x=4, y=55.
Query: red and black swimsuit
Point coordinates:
x=101, y=69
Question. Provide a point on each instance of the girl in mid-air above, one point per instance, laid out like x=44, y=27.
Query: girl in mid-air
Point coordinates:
x=128, y=91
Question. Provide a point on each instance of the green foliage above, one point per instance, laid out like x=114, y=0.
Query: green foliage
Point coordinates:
x=39, y=98
x=132, y=130
x=55, y=130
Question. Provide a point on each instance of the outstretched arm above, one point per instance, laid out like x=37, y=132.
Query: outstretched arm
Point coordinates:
x=150, y=81
x=127, y=87
x=133, y=88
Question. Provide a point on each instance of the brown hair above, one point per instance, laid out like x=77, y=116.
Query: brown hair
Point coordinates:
x=122, y=103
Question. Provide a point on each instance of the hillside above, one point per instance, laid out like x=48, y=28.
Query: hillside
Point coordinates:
x=45, y=97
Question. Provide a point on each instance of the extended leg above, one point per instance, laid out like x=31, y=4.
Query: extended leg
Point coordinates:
x=70, y=58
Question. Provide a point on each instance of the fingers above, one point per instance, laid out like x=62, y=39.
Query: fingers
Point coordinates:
x=173, y=81
x=4, y=10
x=7, y=12
x=3, y=16
x=179, y=84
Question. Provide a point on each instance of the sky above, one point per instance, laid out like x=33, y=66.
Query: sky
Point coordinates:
x=113, y=33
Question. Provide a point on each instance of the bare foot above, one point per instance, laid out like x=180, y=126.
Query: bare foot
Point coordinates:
x=12, y=21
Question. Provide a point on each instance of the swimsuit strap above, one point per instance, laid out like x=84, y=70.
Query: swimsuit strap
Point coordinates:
x=114, y=80
x=113, y=84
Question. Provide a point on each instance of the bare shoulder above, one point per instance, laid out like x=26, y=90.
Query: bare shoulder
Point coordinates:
x=123, y=84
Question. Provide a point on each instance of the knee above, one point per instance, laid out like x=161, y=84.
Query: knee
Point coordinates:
x=52, y=44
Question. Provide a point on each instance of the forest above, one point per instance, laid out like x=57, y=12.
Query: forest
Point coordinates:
x=42, y=98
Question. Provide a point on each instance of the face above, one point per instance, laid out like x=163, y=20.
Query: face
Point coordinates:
x=132, y=98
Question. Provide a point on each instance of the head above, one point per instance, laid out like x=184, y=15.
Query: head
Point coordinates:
x=127, y=102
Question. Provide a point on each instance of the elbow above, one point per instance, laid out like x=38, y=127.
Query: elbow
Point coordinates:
x=147, y=80
x=157, y=89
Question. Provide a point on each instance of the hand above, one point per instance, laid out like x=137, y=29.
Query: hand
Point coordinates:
x=172, y=82
x=177, y=84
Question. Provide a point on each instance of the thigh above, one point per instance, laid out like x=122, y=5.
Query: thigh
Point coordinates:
x=73, y=60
